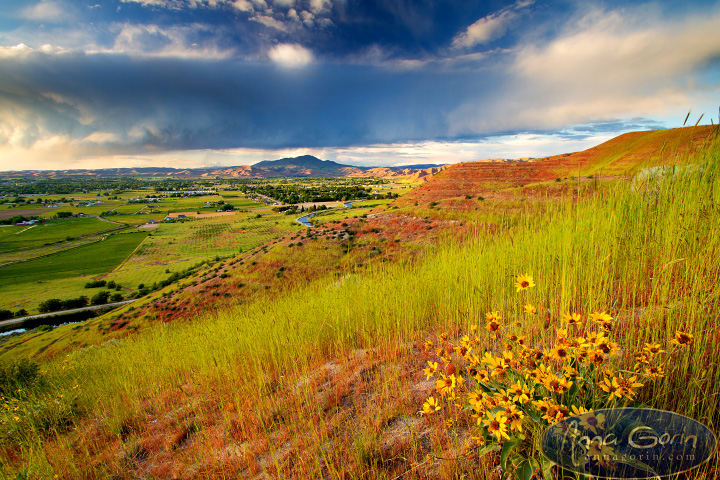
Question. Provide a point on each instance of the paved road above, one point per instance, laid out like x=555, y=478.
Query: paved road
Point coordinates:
x=63, y=312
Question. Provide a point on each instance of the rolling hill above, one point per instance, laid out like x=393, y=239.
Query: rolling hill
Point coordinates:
x=303, y=166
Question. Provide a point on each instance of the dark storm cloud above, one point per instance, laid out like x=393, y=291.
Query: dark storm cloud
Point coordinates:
x=191, y=103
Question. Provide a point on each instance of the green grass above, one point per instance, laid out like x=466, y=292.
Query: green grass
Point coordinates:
x=14, y=238
x=93, y=259
x=647, y=253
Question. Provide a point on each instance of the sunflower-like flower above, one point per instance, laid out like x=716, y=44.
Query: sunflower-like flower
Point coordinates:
x=682, y=339
x=515, y=418
x=542, y=406
x=655, y=372
x=572, y=318
x=559, y=385
x=446, y=385
x=577, y=411
x=476, y=398
x=596, y=356
x=496, y=425
x=530, y=309
x=462, y=350
x=430, y=406
x=611, y=386
x=520, y=393
x=560, y=352
x=523, y=282
x=591, y=421
x=430, y=369
x=503, y=397
x=571, y=372
x=603, y=319
x=493, y=325
x=653, y=349
x=555, y=413
x=628, y=386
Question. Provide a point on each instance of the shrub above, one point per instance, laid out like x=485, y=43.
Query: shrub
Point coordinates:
x=50, y=305
x=100, y=298
x=95, y=284
x=79, y=302
x=5, y=314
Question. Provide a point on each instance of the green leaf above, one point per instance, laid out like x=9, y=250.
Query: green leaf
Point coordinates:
x=527, y=468
x=487, y=449
x=507, y=447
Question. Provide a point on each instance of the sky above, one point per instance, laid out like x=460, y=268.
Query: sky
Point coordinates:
x=200, y=83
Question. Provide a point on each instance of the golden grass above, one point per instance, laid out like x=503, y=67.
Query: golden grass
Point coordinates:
x=275, y=388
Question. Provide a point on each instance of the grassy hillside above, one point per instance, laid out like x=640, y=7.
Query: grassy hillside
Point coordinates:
x=326, y=380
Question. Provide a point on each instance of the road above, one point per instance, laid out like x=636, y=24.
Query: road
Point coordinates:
x=13, y=321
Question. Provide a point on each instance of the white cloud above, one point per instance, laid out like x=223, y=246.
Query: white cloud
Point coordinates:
x=308, y=18
x=619, y=49
x=320, y=6
x=290, y=55
x=176, y=41
x=243, y=5
x=490, y=27
x=45, y=11
x=270, y=22
x=616, y=64
x=484, y=30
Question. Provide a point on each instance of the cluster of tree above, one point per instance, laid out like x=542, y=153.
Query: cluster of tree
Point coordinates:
x=291, y=209
x=65, y=186
x=16, y=219
x=63, y=215
x=7, y=314
x=302, y=194
x=100, y=298
x=103, y=283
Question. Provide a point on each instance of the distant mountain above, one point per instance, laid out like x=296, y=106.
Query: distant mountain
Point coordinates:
x=303, y=166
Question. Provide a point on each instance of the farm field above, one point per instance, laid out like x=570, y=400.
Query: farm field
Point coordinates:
x=84, y=261
x=179, y=245
x=13, y=238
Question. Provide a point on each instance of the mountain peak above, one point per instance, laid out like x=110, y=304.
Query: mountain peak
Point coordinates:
x=305, y=161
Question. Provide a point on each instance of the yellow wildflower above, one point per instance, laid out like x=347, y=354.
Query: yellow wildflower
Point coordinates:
x=430, y=406
x=446, y=384
x=430, y=369
x=572, y=318
x=496, y=425
x=653, y=349
x=682, y=339
x=523, y=282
